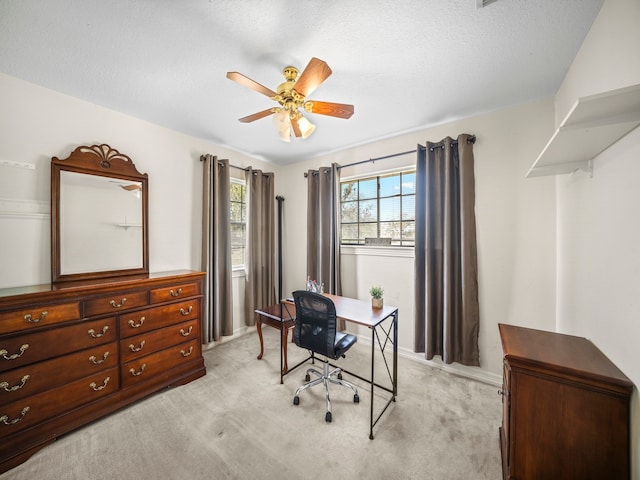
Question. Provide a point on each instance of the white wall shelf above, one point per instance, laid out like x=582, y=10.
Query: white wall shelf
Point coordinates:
x=593, y=124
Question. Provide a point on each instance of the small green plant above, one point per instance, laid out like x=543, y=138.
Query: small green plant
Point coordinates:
x=376, y=291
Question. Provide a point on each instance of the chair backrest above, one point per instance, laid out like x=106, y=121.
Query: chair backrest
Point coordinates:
x=315, y=324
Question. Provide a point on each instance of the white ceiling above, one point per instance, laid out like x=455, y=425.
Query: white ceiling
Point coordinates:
x=404, y=64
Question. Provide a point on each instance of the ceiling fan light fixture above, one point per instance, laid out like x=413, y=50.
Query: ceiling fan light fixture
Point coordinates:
x=306, y=127
x=282, y=121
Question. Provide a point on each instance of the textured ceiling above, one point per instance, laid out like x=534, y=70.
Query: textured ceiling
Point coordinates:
x=404, y=64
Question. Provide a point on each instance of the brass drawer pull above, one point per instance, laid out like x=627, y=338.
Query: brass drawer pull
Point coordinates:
x=134, y=349
x=188, y=332
x=97, y=361
x=133, y=324
x=5, y=385
x=97, y=388
x=186, y=312
x=23, y=349
x=137, y=374
x=186, y=354
x=30, y=319
x=175, y=294
x=118, y=305
x=5, y=418
x=93, y=333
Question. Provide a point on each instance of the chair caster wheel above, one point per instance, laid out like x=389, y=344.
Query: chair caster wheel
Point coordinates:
x=356, y=398
x=296, y=400
x=307, y=378
x=340, y=376
x=327, y=417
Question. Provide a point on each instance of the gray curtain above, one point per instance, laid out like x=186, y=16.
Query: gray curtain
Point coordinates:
x=217, y=309
x=447, y=310
x=260, y=278
x=323, y=227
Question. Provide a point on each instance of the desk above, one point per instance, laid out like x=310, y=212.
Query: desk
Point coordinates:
x=383, y=324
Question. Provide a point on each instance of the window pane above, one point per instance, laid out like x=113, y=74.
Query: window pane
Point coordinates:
x=349, y=190
x=368, y=230
x=408, y=183
x=408, y=232
x=237, y=256
x=236, y=212
x=236, y=192
x=389, y=209
x=390, y=229
x=378, y=207
x=368, y=211
x=350, y=233
x=390, y=185
x=349, y=212
x=237, y=234
x=238, y=223
x=409, y=207
x=368, y=188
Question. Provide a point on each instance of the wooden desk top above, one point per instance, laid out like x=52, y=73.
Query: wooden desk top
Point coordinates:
x=350, y=309
x=360, y=311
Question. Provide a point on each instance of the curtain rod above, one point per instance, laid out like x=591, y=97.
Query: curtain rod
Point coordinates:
x=471, y=139
x=202, y=159
x=377, y=158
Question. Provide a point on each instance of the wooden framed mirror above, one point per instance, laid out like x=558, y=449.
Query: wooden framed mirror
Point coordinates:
x=99, y=212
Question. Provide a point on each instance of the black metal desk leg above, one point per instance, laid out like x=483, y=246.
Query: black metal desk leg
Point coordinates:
x=395, y=355
x=373, y=353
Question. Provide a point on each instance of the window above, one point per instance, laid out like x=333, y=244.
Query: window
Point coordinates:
x=377, y=208
x=238, y=223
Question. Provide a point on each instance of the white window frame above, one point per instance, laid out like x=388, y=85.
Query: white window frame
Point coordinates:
x=355, y=249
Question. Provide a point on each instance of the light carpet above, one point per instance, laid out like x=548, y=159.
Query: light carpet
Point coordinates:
x=239, y=422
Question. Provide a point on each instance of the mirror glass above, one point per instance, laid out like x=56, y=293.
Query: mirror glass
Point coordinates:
x=100, y=223
x=99, y=211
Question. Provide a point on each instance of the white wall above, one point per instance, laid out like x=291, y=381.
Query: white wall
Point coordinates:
x=37, y=124
x=515, y=225
x=598, y=222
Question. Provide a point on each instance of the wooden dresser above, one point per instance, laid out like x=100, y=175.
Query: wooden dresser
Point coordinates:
x=74, y=352
x=565, y=409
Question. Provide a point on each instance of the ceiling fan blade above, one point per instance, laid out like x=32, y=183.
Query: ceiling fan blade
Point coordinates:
x=340, y=110
x=257, y=116
x=316, y=72
x=252, y=84
x=296, y=128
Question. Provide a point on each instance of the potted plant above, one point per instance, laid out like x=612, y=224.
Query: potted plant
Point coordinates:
x=376, y=292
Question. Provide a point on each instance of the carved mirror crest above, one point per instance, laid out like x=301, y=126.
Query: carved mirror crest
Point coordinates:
x=99, y=211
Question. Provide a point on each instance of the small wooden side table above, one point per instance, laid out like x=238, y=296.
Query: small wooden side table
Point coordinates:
x=282, y=317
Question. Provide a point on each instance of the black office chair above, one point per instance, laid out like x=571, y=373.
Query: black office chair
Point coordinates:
x=316, y=330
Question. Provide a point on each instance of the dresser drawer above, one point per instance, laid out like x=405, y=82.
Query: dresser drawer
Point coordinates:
x=115, y=303
x=29, y=348
x=150, y=342
x=135, y=323
x=155, y=364
x=46, y=315
x=169, y=294
x=23, y=382
x=31, y=410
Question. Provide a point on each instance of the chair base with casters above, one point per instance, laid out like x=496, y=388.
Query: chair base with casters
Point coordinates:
x=325, y=377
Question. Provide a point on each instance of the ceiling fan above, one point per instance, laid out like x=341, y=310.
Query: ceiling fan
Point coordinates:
x=292, y=97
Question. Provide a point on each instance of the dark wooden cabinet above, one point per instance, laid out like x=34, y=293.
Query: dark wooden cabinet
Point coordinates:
x=565, y=409
x=72, y=353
